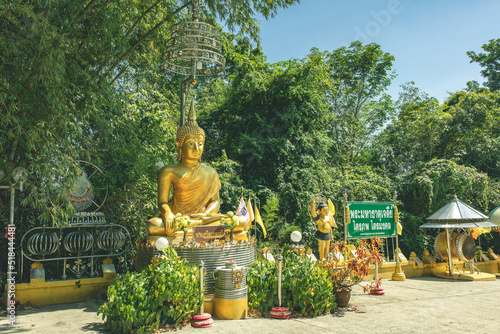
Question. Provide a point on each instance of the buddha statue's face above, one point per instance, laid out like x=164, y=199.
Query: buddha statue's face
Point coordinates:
x=192, y=148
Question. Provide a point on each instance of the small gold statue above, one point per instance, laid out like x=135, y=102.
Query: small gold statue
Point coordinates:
x=195, y=185
x=321, y=215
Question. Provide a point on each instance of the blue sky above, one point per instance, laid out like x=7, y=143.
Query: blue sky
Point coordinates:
x=429, y=39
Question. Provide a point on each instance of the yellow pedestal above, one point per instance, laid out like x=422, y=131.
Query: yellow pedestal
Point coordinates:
x=399, y=275
x=230, y=308
x=208, y=304
x=467, y=276
x=41, y=292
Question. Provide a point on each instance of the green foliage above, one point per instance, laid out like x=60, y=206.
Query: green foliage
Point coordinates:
x=306, y=287
x=3, y=295
x=472, y=134
x=83, y=80
x=358, y=77
x=270, y=107
x=431, y=185
x=281, y=144
x=262, y=282
x=232, y=187
x=365, y=183
x=169, y=293
x=414, y=136
x=274, y=222
x=414, y=238
x=240, y=12
x=490, y=62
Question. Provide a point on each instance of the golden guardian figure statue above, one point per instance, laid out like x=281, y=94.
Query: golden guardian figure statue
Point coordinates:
x=324, y=219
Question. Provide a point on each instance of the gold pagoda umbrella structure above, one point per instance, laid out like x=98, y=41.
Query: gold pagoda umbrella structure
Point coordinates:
x=193, y=50
x=458, y=215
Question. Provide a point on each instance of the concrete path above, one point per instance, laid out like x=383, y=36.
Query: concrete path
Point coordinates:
x=417, y=305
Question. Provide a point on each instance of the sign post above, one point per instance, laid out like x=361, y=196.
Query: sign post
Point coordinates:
x=398, y=274
x=365, y=220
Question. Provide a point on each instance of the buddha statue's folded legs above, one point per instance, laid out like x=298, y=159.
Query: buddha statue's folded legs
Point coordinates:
x=156, y=228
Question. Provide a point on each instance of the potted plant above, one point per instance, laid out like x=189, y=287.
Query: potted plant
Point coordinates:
x=230, y=223
x=355, y=267
x=181, y=224
x=374, y=287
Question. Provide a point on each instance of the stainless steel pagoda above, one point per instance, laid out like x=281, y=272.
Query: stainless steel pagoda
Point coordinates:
x=458, y=215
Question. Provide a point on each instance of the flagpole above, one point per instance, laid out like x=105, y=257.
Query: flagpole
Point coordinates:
x=345, y=216
x=397, y=243
x=255, y=203
x=255, y=215
x=254, y=220
x=251, y=223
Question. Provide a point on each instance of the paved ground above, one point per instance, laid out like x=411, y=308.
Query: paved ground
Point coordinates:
x=417, y=305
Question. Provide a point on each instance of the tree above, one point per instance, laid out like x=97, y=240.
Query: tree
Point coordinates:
x=358, y=77
x=430, y=185
x=80, y=78
x=84, y=80
x=414, y=136
x=472, y=136
x=272, y=120
x=490, y=62
x=59, y=82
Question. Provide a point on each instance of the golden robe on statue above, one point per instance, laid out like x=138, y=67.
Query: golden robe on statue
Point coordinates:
x=194, y=191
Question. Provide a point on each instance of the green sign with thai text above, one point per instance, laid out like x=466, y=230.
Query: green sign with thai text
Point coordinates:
x=371, y=219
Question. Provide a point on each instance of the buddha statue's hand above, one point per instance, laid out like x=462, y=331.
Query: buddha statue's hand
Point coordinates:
x=198, y=215
x=168, y=219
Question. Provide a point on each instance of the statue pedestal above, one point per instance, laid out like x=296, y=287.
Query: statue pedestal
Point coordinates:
x=213, y=256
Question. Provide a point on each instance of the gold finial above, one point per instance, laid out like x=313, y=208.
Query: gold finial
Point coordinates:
x=191, y=114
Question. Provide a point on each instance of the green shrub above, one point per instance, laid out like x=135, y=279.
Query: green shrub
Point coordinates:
x=306, y=287
x=169, y=294
x=262, y=282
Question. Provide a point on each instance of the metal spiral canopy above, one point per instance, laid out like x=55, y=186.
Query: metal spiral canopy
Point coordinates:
x=78, y=241
x=43, y=243
x=110, y=240
x=193, y=49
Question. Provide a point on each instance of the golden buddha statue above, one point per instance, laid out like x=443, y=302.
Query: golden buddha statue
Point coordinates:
x=195, y=186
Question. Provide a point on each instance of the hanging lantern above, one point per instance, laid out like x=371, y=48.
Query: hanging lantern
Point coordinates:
x=194, y=48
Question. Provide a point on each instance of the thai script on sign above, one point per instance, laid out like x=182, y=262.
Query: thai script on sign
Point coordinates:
x=361, y=227
x=208, y=233
x=373, y=214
